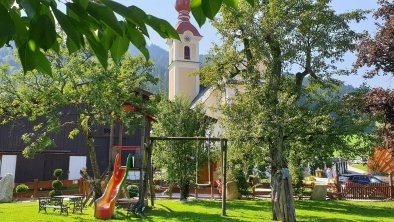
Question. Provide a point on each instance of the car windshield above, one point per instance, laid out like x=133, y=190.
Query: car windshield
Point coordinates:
x=344, y=178
x=375, y=180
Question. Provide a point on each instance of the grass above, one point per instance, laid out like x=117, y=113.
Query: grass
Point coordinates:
x=361, y=167
x=251, y=210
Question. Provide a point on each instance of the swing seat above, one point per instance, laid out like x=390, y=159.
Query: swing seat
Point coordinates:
x=203, y=184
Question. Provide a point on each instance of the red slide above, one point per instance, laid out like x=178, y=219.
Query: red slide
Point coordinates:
x=104, y=206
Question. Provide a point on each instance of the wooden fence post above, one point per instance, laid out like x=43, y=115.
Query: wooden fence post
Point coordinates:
x=80, y=186
x=338, y=186
x=391, y=185
x=35, y=188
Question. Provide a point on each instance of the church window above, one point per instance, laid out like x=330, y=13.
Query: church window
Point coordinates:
x=187, y=52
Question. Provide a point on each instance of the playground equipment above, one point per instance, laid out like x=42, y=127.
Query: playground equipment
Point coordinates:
x=209, y=183
x=223, y=147
x=104, y=206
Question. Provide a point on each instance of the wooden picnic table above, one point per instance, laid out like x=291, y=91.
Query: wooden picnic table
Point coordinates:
x=57, y=203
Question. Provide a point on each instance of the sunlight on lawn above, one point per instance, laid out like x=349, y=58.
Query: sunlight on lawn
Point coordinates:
x=251, y=210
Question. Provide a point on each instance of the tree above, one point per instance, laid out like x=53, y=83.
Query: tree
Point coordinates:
x=377, y=52
x=31, y=24
x=380, y=102
x=261, y=43
x=77, y=83
x=178, y=158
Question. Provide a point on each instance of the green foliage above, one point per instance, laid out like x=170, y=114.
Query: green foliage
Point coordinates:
x=240, y=177
x=133, y=190
x=305, y=116
x=57, y=184
x=36, y=33
x=57, y=173
x=21, y=188
x=202, y=9
x=53, y=193
x=178, y=158
x=363, y=167
x=282, y=119
x=311, y=178
x=78, y=82
x=85, y=21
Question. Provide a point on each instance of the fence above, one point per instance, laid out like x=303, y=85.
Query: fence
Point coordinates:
x=373, y=191
x=354, y=191
x=42, y=188
x=264, y=190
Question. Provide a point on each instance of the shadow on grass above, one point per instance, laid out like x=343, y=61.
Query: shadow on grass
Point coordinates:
x=367, y=210
x=344, y=211
x=252, y=205
x=166, y=213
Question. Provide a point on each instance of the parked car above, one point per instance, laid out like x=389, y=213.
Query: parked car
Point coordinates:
x=358, y=179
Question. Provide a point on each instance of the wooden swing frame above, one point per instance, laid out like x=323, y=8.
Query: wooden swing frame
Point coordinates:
x=223, y=146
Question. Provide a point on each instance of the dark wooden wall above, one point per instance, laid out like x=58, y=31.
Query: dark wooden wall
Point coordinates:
x=43, y=164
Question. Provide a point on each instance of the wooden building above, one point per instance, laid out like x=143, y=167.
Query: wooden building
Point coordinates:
x=69, y=154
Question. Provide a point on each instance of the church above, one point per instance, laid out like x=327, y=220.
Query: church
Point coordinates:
x=72, y=155
x=184, y=60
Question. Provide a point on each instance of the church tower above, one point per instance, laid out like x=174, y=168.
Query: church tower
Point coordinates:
x=184, y=56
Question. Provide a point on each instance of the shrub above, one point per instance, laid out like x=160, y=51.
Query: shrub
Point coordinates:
x=58, y=173
x=57, y=184
x=55, y=193
x=21, y=188
x=310, y=178
x=133, y=190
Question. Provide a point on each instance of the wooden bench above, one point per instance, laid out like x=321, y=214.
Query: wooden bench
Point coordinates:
x=52, y=202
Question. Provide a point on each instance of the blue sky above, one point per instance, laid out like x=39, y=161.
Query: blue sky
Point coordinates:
x=165, y=9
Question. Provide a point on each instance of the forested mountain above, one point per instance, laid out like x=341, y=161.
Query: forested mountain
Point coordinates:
x=158, y=55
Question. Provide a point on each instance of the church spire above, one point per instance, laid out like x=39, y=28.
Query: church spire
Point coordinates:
x=184, y=56
x=183, y=8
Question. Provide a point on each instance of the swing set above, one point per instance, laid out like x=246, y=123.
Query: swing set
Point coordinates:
x=223, y=147
x=209, y=183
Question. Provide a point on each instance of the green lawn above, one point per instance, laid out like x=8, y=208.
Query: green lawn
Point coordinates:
x=170, y=210
x=361, y=167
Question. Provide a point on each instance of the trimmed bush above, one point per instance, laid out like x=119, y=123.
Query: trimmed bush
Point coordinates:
x=55, y=193
x=133, y=190
x=21, y=188
x=57, y=184
x=58, y=173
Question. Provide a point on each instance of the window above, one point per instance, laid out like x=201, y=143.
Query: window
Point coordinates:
x=187, y=52
x=375, y=180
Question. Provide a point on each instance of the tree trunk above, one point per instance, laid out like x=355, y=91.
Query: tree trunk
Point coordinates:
x=138, y=208
x=281, y=188
x=185, y=190
x=282, y=195
x=93, y=161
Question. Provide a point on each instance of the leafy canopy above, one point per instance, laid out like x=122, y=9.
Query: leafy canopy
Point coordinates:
x=33, y=25
x=178, y=158
x=78, y=96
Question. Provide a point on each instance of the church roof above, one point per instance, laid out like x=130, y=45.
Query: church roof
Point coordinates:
x=202, y=95
x=183, y=8
x=183, y=26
